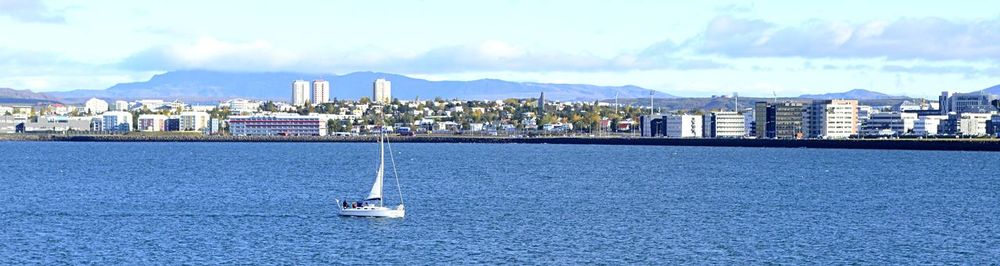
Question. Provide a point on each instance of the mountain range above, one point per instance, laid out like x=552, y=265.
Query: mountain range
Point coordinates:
x=207, y=86
x=198, y=85
x=860, y=94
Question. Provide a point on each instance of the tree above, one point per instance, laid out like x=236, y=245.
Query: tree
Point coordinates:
x=365, y=100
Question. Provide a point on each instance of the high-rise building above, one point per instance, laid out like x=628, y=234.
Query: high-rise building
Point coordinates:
x=320, y=91
x=300, y=92
x=832, y=119
x=382, y=91
x=541, y=105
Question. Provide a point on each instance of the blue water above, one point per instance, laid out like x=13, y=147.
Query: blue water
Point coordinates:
x=273, y=203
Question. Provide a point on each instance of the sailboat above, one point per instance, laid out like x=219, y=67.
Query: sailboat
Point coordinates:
x=373, y=205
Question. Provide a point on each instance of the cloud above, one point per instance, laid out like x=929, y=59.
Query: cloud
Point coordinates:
x=29, y=11
x=210, y=53
x=902, y=39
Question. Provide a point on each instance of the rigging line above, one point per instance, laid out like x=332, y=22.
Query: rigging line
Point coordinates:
x=394, y=173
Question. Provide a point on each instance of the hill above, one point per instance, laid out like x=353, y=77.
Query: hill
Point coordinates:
x=857, y=94
x=199, y=85
x=8, y=95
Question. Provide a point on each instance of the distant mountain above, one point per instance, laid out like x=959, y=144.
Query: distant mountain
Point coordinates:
x=992, y=90
x=8, y=95
x=199, y=85
x=858, y=94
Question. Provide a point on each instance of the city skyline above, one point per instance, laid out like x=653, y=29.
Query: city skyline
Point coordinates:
x=781, y=47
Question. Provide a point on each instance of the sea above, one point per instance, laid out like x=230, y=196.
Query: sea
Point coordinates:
x=142, y=203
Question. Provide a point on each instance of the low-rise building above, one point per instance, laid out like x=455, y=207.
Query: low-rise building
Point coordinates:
x=276, y=125
x=152, y=122
x=927, y=125
x=194, y=121
x=724, y=125
x=117, y=121
x=889, y=124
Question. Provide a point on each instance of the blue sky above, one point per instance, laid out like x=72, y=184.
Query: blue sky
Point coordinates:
x=690, y=48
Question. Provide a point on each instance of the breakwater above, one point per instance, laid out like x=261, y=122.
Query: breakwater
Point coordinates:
x=905, y=144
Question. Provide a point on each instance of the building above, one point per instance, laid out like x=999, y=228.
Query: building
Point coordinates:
x=277, y=125
x=320, y=91
x=541, y=105
x=973, y=102
x=95, y=106
x=117, y=121
x=152, y=122
x=724, y=125
x=672, y=126
x=973, y=124
x=57, y=124
x=889, y=124
x=382, y=91
x=121, y=105
x=993, y=126
x=927, y=125
x=300, y=92
x=831, y=119
x=11, y=123
x=194, y=121
x=173, y=123
x=241, y=106
x=779, y=120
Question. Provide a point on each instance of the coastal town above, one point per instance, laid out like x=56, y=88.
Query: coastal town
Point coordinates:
x=310, y=111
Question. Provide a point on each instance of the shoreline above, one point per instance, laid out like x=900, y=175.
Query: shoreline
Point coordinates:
x=875, y=144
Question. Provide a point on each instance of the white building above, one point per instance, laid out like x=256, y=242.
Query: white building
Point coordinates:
x=724, y=125
x=95, y=106
x=121, y=105
x=277, y=125
x=973, y=124
x=320, y=91
x=117, y=121
x=382, y=91
x=151, y=104
x=241, y=106
x=193, y=121
x=152, y=122
x=889, y=124
x=683, y=126
x=300, y=92
x=927, y=125
x=831, y=119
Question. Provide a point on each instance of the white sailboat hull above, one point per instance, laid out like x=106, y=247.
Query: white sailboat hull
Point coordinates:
x=374, y=211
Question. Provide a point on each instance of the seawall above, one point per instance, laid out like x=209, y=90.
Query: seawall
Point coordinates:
x=891, y=144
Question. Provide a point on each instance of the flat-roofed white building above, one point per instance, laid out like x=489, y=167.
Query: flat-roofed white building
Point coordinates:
x=277, y=125
x=320, y=91
x=831, y=119
x=973, y=124
x=382, y=91
x=300, y=92
x=724, y=124
x=683, y=126
x=927, y=125
x=889, y=124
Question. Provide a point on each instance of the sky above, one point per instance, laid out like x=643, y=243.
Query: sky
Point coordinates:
x=686, y=48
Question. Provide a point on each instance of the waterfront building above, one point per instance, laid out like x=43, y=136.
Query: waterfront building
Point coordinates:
x=927, y=125
x=320, y=91
x=724, y=124
x=831, y=119
x=121, y=105
x=276, y=125
x=973, y=124
x=889, y=124
x=57, y=123
x=779, y=120
x=671, y=126
x=300, y=92
x=117, y=121
x=95, y=106
x=173, y=123
x=193, y=121
x=993, y=126
x=152, y=122
x=10, y=123
x=382, y=91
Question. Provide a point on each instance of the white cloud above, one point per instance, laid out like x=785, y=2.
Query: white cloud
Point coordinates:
x=906, y=38
x=29, y=11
